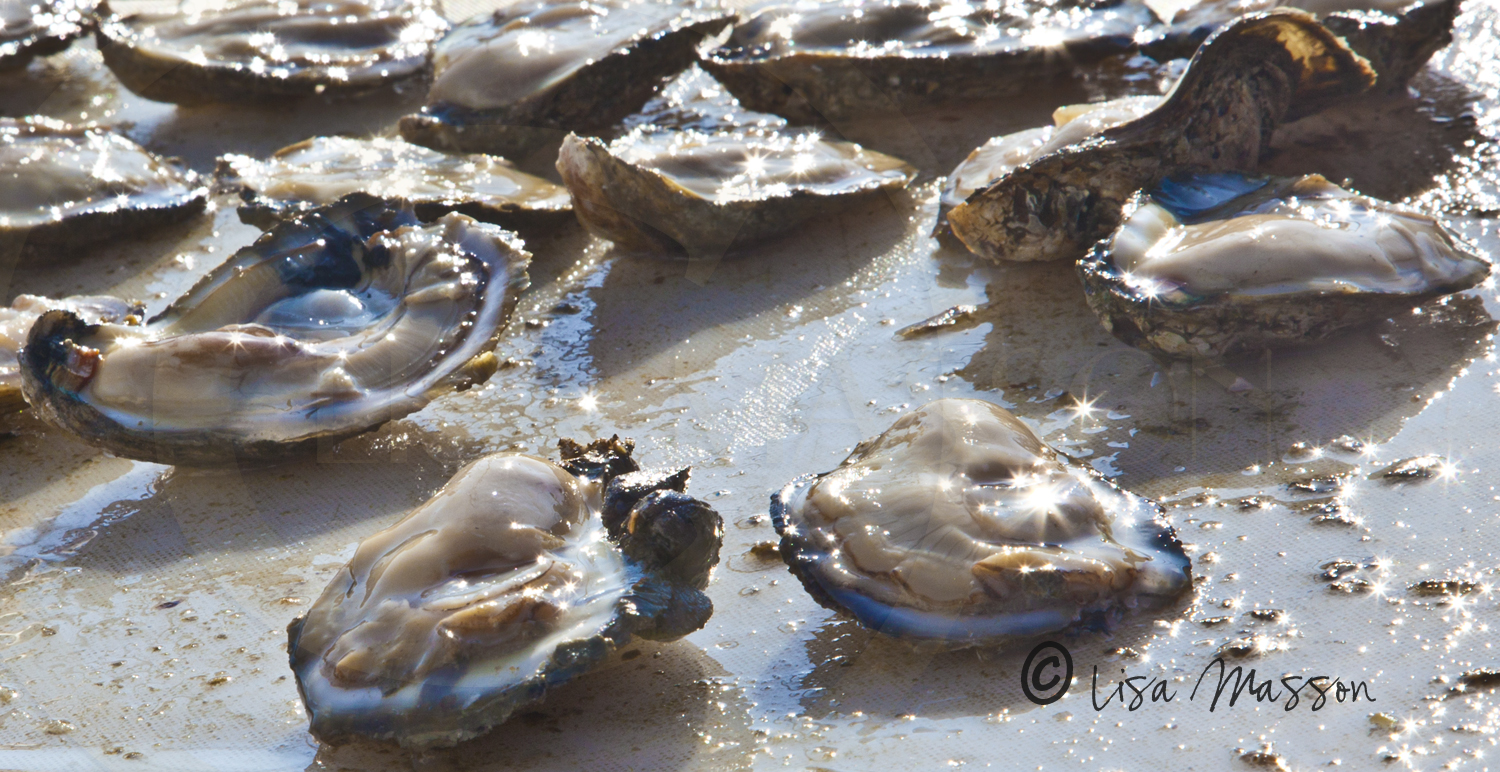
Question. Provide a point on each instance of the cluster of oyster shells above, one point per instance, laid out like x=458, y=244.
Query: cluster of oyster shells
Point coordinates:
x=390, y=265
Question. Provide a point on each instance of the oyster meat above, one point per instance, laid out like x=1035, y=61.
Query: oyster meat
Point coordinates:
x=16, y=321
x=270, y=49
x=1209, y=265
x=516, y=577
x=62, y=186
x=844, y=59
x=696, y=193
x=32, y=28
x=1396, y=36
x=1249, y=77
x=569, y=65
x=329, y=325
x=319, y=171
x=958, y=527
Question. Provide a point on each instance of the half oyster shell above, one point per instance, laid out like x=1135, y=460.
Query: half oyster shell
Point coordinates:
x=1248, y=78
x=63, y=186
x=696, y=193
x=1210, y=265
x=958, y=527
x=844, y=59
x=570, y=65
x=319, y=171
x=16, y=321
x=269, y=49
x=32, y=28
x=1396, y=36
x=329, y=325
x=515, y=578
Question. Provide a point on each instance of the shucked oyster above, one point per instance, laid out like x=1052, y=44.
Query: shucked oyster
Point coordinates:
x=697, y=192
x=1204, y=266
x=329, y=325
x=1396, y=36
x=16, y=321
x=958, y=526
x=569, y=65
x=321, y=170
x=1249, y=77
x=64, y=186
x=32, y=28
x=518, y=576
x=836, y=60
x=268, y=49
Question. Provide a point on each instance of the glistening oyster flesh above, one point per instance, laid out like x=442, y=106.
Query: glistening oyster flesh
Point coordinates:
x=329, y=325
x=16, y=321
x=64, y=186
x=319, y=171
x=570, y=65
x=268, y=49
x=957, y=526
x=32, y=28
x=1204, y=266
x=698, y=192
x=1246, y=79
x=843, y=59
x=516, y=577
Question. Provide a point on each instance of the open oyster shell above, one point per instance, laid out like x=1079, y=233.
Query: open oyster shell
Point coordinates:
x=1248, y=77
x=696, y=193
x=269, y=49
x=16, y=321
x=64, y=186
x=958, y=527
x=1204, y=266
x=319, y=171
x=516, y=577
x=840, y=60
x=570, y=65
x=329, y=325
x=32, y=28
x=1396, y=36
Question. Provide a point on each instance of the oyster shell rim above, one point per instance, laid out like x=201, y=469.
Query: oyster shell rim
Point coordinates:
x=17, y=53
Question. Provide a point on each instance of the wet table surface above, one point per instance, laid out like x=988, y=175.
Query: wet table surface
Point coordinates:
x=143, y=607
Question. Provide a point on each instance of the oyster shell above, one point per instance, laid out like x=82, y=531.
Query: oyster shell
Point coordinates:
x=329, y=325
x=518, y=576
x=1204, y=266
x=571, y=65
x=1396, y=36
x=32, y=28
x=958, y=527
x=319, y=171
x=269, y=49
x=63, y=186
x=1246, y=79
x=696, y=193
x=16, y=321
x=840, y=60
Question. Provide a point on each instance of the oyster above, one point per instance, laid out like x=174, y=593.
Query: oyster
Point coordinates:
x=1209, y=265
x=958, y=527
x=840, y=60
x=16, y=321
x=1396, y=36
x=329, y=325
x=63, y=186
x=1249, y=77
x=570, y=65
x=32, y=28
x=516, y=577
x=319, y=171
x=695, y=192
x=270, y=49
